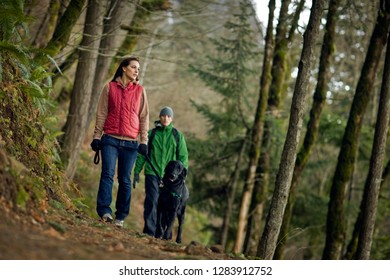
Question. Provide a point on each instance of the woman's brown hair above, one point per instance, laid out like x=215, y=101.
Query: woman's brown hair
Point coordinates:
x=124, y=63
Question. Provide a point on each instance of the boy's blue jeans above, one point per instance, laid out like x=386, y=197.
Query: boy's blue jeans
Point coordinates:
x=125, y=152
x=152, y=191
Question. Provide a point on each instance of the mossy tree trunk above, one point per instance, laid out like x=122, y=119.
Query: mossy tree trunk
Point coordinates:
x=374, y=178
x=274, y=219
x=260, y=187
x=47, y=26
x=353, y=243
x=63, y=30
x=319, y=99
x=279, y=63
x=277, y=70
x=257, y=130
x=335, y=225
x=137, y=28
x=75, y=126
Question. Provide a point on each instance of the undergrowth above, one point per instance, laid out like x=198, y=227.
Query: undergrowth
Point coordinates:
x=29, y=172
x=26, y=139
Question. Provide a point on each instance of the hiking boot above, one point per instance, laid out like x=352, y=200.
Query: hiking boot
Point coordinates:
x=107, y=218
x=118, y=223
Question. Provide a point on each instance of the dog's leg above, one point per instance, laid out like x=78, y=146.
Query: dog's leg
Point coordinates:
x=159, y=229
x=170, y=219
x=164, y=223
x=180, y=218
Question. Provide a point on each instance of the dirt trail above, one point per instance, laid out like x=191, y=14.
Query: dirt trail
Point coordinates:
x=73, y=236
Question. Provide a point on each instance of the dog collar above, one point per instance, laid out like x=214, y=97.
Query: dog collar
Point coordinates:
x=176, y=195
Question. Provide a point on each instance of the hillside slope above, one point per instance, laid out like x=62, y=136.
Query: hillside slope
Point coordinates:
x=59, y=232
x=64, y=235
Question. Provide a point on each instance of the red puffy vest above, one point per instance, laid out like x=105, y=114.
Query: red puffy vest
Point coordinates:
x=123, y=110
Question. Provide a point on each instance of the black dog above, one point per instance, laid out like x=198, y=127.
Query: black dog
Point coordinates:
x=172, y=201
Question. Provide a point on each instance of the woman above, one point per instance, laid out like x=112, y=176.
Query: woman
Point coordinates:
x=122, y=119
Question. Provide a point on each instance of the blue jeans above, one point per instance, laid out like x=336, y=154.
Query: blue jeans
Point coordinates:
x=152, y=191
x=125, y=152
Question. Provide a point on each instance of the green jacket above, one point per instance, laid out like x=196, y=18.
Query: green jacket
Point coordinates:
x=162, y=150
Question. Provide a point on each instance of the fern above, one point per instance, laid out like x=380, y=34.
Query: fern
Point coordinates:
x=12, y=20
x=25, y=99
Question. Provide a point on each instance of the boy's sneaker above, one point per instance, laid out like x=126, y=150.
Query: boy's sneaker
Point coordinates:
x=119, y=223
x=107, y=218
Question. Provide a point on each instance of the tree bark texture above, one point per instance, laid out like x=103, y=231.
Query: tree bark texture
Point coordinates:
x=47, y=26
x=256, y=207
x=279, y=68
x=353, y=243
x=295, y=20
x=137, y=27
x=278, y=71
x=283, y=179
x=386, y=172
x=256, y=133
x=75, y=127
x=335, y=225
x=64, y=28
x=374, y=178
x=319, y=99
x=232, y=188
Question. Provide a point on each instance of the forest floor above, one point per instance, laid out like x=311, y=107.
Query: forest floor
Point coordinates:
x=66, y=235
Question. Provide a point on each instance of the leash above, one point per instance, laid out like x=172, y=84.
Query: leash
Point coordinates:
x=96, y=159
x=154, y=170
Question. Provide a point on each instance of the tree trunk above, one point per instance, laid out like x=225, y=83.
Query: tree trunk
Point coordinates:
x=319, y=99
x=386, y=172
x=257, y=132
x=268, y=241
x=335, y=231
x=119, y=12
x=278, y=71
x=47, y=26
x=257, y=204
x=259, y=195
x=231, y=195
x=295, y=20
x=137, y=27
x=74, y=129
x=278, y=68
x=373, y=183
x=63, y=29
x=352, y=246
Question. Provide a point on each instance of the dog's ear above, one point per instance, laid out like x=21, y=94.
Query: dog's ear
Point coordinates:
x=184, y=172
x=181, y=167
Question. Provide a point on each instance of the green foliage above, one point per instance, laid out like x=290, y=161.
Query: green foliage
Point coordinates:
x=227, y=75
x=24, y=104
x=308, y=223
x=381, y=242
x=331, y=129
x=22, y=198
x=12, y=20
x=228, y=72
x=198, y=220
